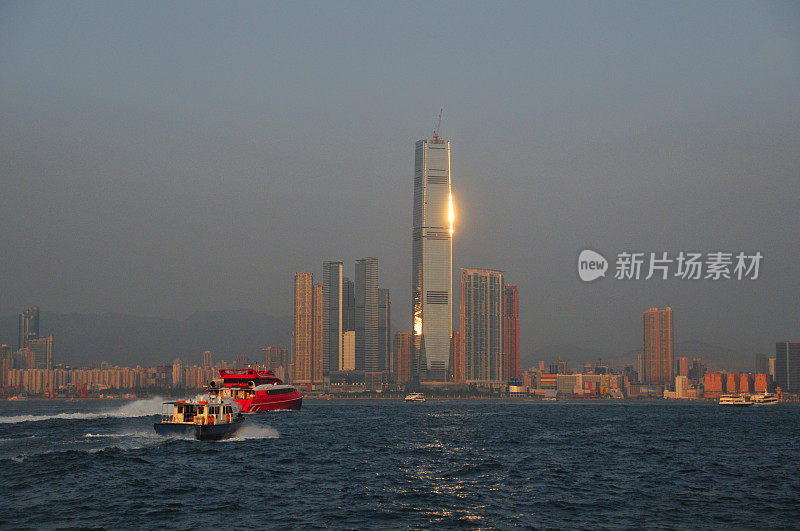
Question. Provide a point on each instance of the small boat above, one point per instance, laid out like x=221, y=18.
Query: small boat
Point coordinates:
x=415, y=397
x=735, y=400
x=255, y=391
x=765, y=399
x=207, y=420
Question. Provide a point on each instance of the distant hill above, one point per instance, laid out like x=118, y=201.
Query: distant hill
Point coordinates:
x=715, y=357
x=88, y=339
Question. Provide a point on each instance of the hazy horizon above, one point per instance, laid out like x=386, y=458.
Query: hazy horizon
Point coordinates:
x=165, y=159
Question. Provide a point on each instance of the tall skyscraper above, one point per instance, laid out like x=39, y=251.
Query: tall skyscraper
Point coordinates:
x=366, y=295
x=384, y=329
x=683, y=366
x=331, y=317
x=481, y=325
x=511, y=331
x=432, y=258
x=348, y=305
x=658, y=364
x=6, y=364
x=28, y=326
x=761, y=364
x=787, y=366
x=42, y=349
x=317, y=325
x=303, y=333
x=207, y=359
x=403, y=354
x=348, y=361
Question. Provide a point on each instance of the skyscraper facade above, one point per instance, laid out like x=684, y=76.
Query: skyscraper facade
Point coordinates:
x=456, y=358
x=657, y=361
x=481, y=325
x=761, y=364
x=28, y=326
x=511, y=331
x=303, y=332
x=403, y=354
x=348, y=305
x=207, y=359
x=316, y=324
x=683, y=366
x=787, y=366
x=432, y=258
x=42, y=349
x=331, y=317
x=384, y=329
x=366, y=295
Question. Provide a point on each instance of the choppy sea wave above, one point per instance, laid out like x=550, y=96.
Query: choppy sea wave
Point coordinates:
x=385, y=464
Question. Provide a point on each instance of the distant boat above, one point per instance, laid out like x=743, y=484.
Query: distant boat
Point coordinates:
x=735, y=400
x=415, y=397
x=765, y=399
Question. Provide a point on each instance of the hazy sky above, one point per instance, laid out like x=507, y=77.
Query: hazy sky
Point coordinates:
x=161, y=158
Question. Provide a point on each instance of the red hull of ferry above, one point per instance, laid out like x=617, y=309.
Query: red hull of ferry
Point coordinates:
x=258, y=405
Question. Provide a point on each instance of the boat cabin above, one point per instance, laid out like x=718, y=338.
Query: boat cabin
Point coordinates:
x=200, y=412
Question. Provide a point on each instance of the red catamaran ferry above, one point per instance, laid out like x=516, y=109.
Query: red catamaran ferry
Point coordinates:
x=255, y=390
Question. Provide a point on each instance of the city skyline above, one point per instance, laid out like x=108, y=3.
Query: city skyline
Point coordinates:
x=624, y=150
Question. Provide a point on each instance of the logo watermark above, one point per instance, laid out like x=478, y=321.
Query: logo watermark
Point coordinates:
x=716, y=265
x=591, y=265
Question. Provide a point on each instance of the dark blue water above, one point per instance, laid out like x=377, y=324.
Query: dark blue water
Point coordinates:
x=379, y=464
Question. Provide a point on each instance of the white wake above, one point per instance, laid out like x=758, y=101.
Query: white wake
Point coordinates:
x=138, y=408
x=248, y=431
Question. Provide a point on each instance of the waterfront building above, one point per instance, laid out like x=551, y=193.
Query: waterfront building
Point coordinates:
x=511, y=331
x=432, y=259
x=760, y=383
x=317, y=325
x=177, y=373
x=456, y=357
x=558, y=367
x=6, y=364
x=731, y=383
x=640, y=368
x=348, y=361
x=303, y=331
x=761, y=364
x=28, y=327
x=332, y=278
x=787, y=366
x=41, y=352
x=569, y=384
x=683, y=366
x=348, y=305
x=712, y=383
x=384, y=329
x=698, y=370
x=403, y=356
x=481, y=325
x=744, y=383
x=367, y=295
x=657, y=347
